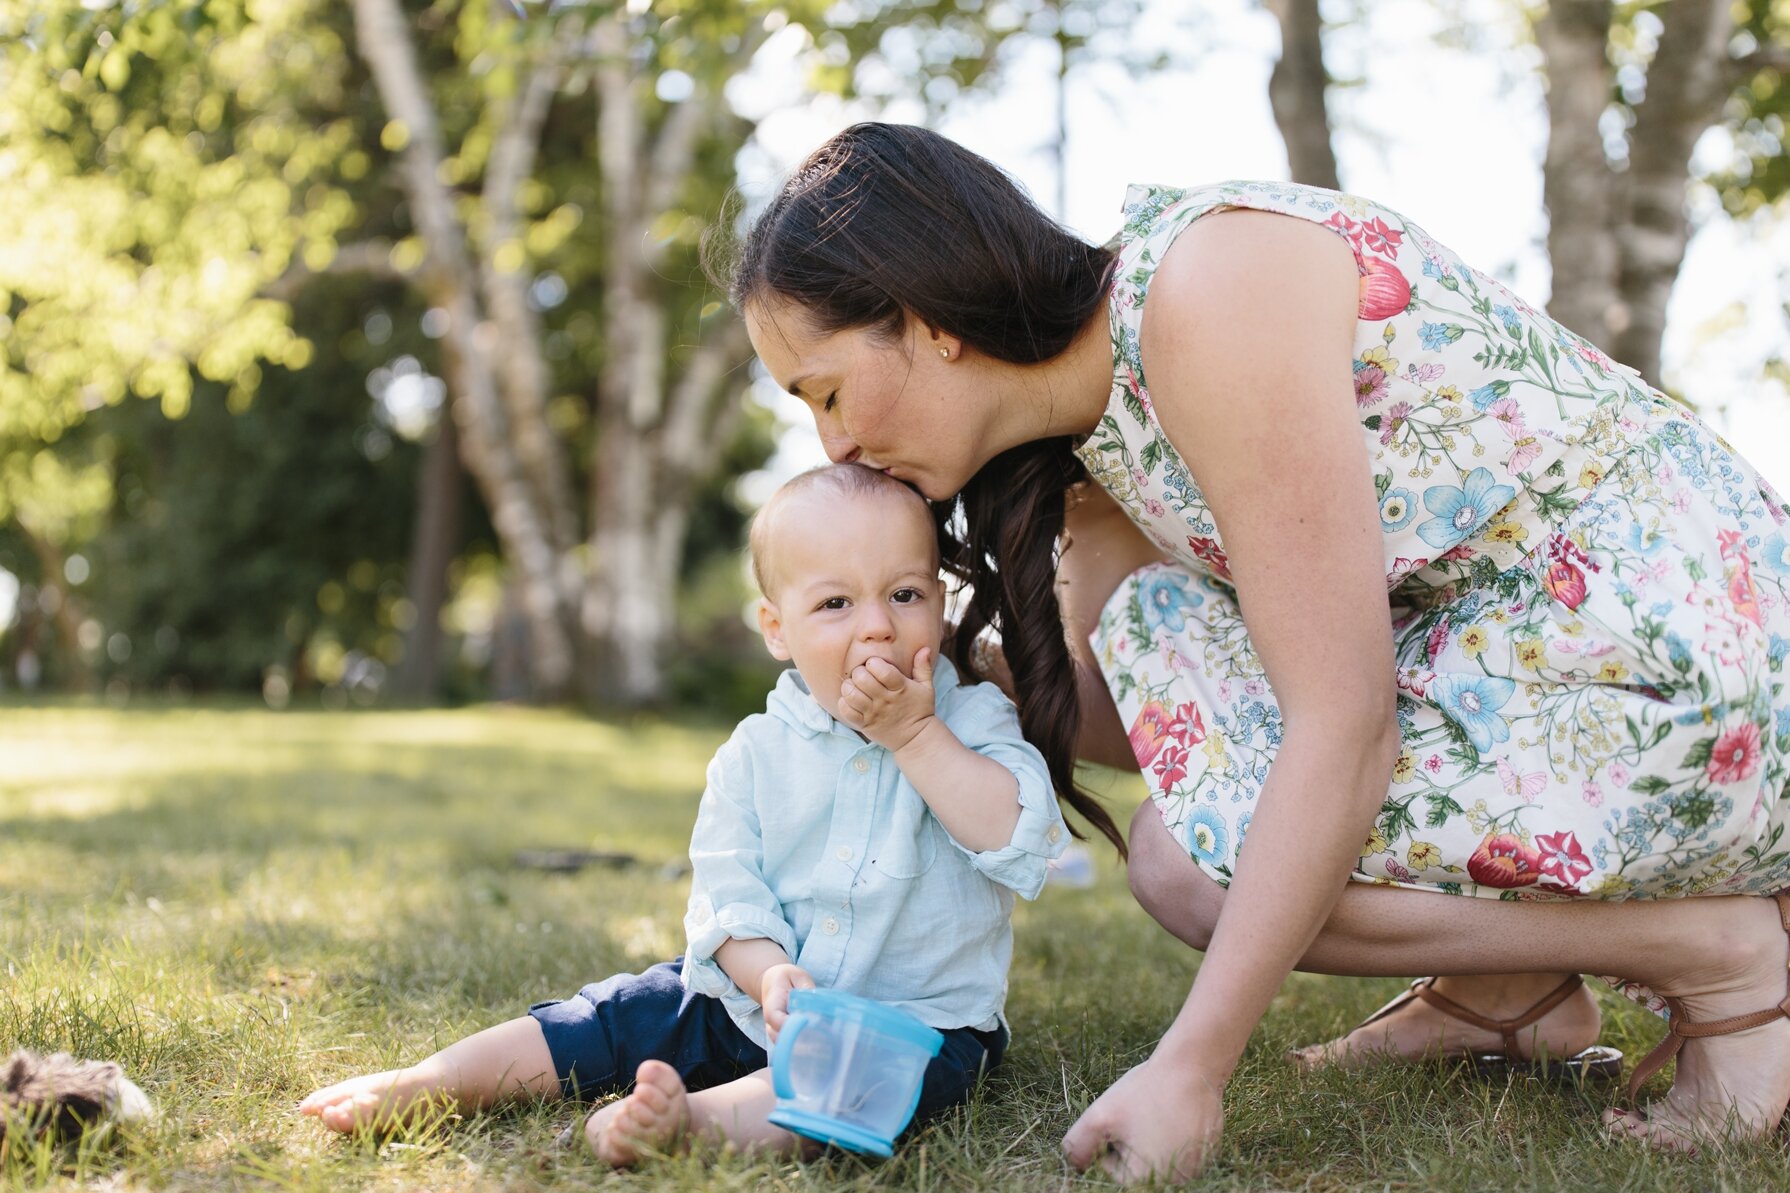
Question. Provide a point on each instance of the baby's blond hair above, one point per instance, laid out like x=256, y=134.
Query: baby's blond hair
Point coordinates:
x=847, y=480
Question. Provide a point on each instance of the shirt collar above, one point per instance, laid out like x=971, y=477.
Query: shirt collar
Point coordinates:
x=792, y=703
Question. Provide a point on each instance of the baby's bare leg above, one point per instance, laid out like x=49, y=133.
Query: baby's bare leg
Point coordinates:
x=660, y=1116
x=507, y=1061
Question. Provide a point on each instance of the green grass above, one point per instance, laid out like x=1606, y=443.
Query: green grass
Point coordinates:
x=240, y=906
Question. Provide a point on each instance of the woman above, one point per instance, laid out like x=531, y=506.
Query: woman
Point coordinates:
x=1448, y=580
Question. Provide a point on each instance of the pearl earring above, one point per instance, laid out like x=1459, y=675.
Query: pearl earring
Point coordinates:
x=945, y=352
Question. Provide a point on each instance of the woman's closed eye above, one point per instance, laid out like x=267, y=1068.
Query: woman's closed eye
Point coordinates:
x=832, y=400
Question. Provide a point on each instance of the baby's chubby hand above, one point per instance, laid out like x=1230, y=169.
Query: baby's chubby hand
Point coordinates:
x=886, y=706
x=773, y=994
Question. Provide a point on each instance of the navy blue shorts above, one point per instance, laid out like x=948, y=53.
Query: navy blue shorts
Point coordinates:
x=599, y=1036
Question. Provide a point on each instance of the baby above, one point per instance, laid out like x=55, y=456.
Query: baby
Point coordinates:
x=866, y=833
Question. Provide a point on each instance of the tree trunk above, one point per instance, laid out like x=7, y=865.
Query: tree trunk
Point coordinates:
x=66, y=617
x=1296, y=93
x=434, y=541
x=1578, y=187
x=1688, y=81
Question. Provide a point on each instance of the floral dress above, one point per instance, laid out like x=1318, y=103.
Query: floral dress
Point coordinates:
x=1589, y=591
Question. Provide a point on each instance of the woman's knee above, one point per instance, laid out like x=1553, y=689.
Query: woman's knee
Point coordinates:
x=1168, y=884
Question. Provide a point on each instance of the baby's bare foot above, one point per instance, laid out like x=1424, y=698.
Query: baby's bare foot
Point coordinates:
x=377, y=1100
x=1734, y=1086
x=648, y=1122
x=1418, y=1030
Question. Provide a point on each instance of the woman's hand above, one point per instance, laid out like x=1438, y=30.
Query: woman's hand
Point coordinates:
x=1161, y=1119
x=773, y=994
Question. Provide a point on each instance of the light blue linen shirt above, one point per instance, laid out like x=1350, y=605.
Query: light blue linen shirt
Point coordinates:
x=810, y=836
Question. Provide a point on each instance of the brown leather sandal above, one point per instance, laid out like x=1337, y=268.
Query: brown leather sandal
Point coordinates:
x=1596, y=1063
x=1681, y=1029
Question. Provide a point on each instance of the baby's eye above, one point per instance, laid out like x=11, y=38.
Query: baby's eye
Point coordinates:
x=907, y=596
x=834, y=603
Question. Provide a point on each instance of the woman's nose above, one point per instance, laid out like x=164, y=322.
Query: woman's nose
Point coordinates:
x=839, y=448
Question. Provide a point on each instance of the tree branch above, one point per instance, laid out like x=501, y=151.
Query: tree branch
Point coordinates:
x=366, y=256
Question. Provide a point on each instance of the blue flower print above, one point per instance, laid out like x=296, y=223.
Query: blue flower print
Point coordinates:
x=1206, y=835
x=1483, y=397
x=1439, y=335
x=1459, y=512
x=1472, y=702
x=1508, y=317
x=1775, y=554
x=1646, y=541
x=1166, y=600
x=1397, y=509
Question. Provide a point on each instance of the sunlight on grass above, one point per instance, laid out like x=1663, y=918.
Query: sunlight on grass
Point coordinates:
x=241, y=905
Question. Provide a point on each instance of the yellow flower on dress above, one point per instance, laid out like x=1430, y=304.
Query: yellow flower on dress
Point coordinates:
x=1375, y=844
x=1377, y=355
x=1473, y=642
x=1612, y=672
x=1532, y=653
x=1404, y=766
x=1507, y=532
x=1591, y=474
x=1214, y=748
x=1422, y=855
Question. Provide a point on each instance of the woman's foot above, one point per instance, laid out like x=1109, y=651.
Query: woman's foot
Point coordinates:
x=377, y=1100
x=1733, y=1086
x=1418, y=1030
x=650, y=1121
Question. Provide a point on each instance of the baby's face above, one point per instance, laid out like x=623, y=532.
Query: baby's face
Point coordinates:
x=852, y=579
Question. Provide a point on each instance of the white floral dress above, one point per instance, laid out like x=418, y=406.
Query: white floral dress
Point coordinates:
x=1590, y=595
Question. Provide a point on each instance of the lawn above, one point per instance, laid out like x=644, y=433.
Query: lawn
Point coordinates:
x=241, y=905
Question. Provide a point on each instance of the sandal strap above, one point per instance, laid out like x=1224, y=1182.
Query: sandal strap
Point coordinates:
x=1507, y=1028
x=1681, y=1029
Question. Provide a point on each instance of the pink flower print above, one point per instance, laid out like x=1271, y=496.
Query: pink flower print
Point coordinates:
x=1425, y=373
x=1618, y=774
x=1377, y=237
x=1681, y=501
x=1433, y=764
x=1140, y=478
x=1524, y=453
x=1384, y=291
x=1437, y=640
x=1561, y=858
x=1592, y=794
x=1224, y=691
x=1396, y=871
x=1149, y=732
x=1509, y=415
x=1171, y=766
x=1370, y=384
x=1457, y=554
x=1736, y=755
x=1414, y=680
x=1154, y=507
x=1395, y=418
x=1254, y=689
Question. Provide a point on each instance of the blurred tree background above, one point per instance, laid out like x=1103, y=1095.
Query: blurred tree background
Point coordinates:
x=362, y=352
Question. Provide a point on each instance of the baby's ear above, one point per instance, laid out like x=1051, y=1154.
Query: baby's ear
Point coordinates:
x=770, y=624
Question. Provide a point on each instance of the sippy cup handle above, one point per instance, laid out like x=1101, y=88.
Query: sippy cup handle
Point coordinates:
x=783, y=1053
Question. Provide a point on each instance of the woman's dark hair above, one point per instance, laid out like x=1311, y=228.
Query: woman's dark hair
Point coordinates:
x=886, y=220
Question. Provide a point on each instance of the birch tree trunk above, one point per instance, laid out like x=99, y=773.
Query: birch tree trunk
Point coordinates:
x=1616, y=238
x=1296, y=93
x=494, y=433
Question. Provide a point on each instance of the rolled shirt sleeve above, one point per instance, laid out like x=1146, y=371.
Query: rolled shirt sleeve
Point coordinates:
x=729, y=897
x=987, y=722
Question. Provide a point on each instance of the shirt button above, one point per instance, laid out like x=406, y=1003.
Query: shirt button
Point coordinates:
x=843, y=853
x=860, y=765
x=831, y=927
x=1054, y=835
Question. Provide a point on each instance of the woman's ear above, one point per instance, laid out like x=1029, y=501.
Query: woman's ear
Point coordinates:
x=770, y=624
x=928, y=338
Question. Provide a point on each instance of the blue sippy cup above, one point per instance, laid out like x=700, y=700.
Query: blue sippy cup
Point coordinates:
x=847, y=1070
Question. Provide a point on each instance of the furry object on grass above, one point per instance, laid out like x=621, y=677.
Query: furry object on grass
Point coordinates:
x=64, y=1097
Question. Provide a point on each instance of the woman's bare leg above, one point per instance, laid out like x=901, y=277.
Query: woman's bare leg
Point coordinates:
x=1721, y=956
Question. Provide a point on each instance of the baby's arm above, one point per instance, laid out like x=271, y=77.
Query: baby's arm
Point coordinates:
x=975, y=798
x=763, y=970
